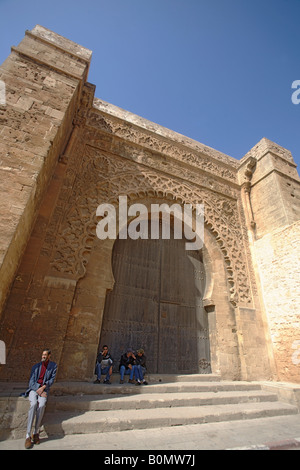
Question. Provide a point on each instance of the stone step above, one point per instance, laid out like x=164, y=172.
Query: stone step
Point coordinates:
x=63, y=422
x=83, y=398
x=85, y=388
x=87, y=395
x=155, y=378
x=86, y=407
x=156, y=400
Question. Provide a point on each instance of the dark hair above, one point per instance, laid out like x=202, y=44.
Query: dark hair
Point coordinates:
x=104, y=346
x=48, y=350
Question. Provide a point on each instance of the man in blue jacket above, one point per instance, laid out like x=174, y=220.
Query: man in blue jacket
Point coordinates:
x=41, y=378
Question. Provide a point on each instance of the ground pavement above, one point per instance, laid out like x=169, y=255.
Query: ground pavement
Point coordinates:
x=272, y=433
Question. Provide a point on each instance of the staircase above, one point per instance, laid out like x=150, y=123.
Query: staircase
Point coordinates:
x=82, y=408
x=168, y=400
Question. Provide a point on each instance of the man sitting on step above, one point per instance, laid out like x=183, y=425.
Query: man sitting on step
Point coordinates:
x=42, y=377
x=140, y=367
x=126, y=366
x=104, y=365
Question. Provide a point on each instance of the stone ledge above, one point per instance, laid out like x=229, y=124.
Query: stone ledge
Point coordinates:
x=287, y=392
x=163, y=132
x=61, y=42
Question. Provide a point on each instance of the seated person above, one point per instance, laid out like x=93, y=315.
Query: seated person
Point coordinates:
x=140, y=367
x=104, y=365
x=126, y=366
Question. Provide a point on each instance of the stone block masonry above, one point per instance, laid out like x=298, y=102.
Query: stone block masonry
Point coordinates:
x=278, y=261
x=43, y=79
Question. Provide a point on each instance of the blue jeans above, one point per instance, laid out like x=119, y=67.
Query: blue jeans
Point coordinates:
x=103, y=371
x=124, y=371
x=139, y=372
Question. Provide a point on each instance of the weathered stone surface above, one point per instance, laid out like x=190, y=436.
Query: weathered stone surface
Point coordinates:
x=278, y=261
x=42, y=83
x=64, y=152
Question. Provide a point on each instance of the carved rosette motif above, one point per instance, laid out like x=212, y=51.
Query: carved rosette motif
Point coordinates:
x=102, y=178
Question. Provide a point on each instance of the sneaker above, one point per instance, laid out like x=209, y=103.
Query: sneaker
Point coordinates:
x=121, y=381
x=28, y=443
x=36, y=439
x=138, y=383
x=97, y=381
x=131, y=381
x=144, y=382
x=108, y=382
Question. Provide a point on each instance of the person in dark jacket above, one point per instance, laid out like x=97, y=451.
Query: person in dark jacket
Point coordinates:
x=104, y=365
x=42, y=377
x=126, y=366
x=140, y=367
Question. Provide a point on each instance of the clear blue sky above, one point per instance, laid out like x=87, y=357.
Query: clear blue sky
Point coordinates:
x=218, y=71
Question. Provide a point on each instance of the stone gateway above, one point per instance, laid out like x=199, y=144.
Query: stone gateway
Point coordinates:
x=230, y=307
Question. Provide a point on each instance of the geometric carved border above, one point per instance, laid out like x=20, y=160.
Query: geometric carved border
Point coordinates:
x=103, y=178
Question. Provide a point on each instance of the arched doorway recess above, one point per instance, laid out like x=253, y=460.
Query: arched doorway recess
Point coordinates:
x=157, y=304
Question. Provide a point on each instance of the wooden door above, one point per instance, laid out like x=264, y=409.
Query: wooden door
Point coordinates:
x=157, y=304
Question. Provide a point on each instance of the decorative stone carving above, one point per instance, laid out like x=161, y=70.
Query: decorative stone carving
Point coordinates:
x=250, y=165
x=148, y=140
x=102, y=178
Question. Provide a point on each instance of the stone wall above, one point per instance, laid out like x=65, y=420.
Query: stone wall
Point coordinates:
x=274, y=207
x=59, y=292
x=275, y=188
x=278, y=261
x=43, y=80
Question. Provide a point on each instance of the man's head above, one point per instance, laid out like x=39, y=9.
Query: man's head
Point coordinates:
x=140, y=352
x=104, y=349
x=129, y=352
x=46, y=355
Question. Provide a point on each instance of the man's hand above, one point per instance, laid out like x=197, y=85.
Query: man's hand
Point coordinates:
x=41, y=391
